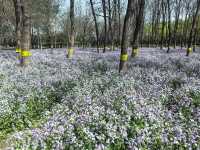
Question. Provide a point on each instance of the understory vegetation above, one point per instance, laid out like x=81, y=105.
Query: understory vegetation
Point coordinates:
x=84, y=103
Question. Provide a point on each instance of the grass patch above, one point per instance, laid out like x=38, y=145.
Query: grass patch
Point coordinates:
x=30, y=113
x=135, y=125
x=176, y=83
x=82, y=136
x=119, y=144
x=195, y=99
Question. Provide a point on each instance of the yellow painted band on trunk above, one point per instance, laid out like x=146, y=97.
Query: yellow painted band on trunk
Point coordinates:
x=124, y=57
x=189, y=50
x=136, y=50
x=18, y=50
x=70, y=52
x=25, y=53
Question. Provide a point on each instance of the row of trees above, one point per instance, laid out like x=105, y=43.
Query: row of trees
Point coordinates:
x=173, y=22
x=45, y=20
x=50, y=25
x=7, y=32
x=103, y=23
x=135, y=12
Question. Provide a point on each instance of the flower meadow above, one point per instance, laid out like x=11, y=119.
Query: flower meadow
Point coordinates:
x=57, y=103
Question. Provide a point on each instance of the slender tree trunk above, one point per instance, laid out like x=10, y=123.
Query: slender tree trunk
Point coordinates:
x=142, y=32
x=115, y=28
x=194, y=22
x=195, y=35
x=169, y=26
x=184, y=30
x=194, y=41
x=105, y=25
x=139, y=20
x=186, y=24
x=124, y=44
x=96, y=24
x=119, y=20
x=182, y=33
x=149, y=37
x=26, y=35
x=38, y=38
x=157, y=23
x=51, y=39
x=18, y=15
x=110, y=24
x=32, y=39
x=72, y=29
x=177, y=12
x=55, y=40
x=181, y=38
x=153, y=27
x=163, y=24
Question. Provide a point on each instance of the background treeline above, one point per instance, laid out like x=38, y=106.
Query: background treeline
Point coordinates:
x=100, y=23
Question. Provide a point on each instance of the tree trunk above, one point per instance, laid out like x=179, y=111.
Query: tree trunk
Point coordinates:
x=105, y=25
x=163, y=24
x=195, y=35
x=119, y=20
x=124, y=44
x=38, y=38
x=96, y=24
x=72, y=30
x=139, y=20
x=194, y=22
x=18, y=15
x=152, y=27
x=182, y=33
x=177, y=14
x=55, y=40
x=110, y=25
x=26, y=36
x=157, y=23
x=169, y=26
x=115, y=28
x=186, y=24
x=142, y=32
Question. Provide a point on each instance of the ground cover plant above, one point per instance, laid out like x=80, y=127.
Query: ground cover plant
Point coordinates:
x=84, y=103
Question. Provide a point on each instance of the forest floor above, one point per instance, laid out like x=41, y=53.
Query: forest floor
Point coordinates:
x=83, y=102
